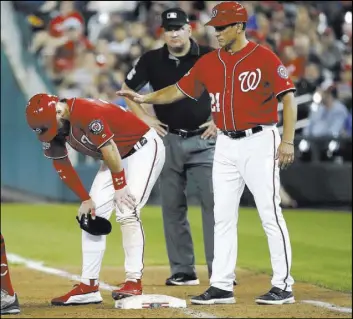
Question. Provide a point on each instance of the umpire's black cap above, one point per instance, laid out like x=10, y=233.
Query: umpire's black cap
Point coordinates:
x=174, y=17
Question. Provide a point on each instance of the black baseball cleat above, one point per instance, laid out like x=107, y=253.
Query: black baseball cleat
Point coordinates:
x=214, y=296
x=181, y=279
x=276, y=296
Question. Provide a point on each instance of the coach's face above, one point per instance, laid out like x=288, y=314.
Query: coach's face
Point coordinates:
x=227, y=35
x=176, y=37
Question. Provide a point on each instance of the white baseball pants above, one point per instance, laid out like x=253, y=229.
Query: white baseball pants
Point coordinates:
x=142, y=170
x=250, y=161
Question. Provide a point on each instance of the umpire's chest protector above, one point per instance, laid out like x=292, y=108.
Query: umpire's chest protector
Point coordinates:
x=170, y=69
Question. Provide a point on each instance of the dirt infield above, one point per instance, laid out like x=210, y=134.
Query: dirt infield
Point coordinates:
x=36, y=289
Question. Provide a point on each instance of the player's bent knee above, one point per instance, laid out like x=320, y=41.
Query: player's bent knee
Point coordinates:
x=104, y=210
x=93, y=242
x=127, y=219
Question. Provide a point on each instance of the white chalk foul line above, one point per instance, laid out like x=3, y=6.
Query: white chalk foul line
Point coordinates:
x=327, y=306
x=39, y=266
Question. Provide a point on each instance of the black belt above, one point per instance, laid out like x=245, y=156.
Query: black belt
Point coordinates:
x=141, y=142
x=185, y=133
x=241, y=134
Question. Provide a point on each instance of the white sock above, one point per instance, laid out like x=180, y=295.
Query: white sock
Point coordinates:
x=91, y=264
x=88, y=282
x=133, y=243
x=93, y=248
x=134, y=280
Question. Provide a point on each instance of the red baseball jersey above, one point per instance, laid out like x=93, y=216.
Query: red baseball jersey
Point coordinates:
x=93, y=123
x=243, y=86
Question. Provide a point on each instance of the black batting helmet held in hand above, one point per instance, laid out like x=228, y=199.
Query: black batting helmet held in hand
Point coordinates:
x=96, y=227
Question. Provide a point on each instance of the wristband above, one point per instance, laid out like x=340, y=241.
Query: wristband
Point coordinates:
x=119, y=180
x=290, y=143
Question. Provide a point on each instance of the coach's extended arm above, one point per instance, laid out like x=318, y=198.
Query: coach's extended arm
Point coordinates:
x=167, y=95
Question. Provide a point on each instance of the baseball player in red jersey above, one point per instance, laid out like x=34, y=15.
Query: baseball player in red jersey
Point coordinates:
x=245, y=81
x=9, y=299
x=133, y=156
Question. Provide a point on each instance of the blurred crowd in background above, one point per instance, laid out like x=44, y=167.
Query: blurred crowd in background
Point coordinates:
x=87, y=47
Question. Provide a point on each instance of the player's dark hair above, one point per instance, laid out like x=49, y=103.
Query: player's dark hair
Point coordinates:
x=221, y=28
x=63, y=100
x=242, y=23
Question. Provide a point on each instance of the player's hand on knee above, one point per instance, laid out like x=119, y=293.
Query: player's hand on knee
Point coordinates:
x=124, y=198
x=285, y=155
x=86, y=207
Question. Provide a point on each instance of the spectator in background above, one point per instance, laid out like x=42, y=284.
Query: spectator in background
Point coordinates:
x=55, y=31
x=312, y=39
x=347, y=130
x=285, y=39
x=303, y=23
x=98, y=30
x=329, y=118
x=104, y=57
x=120, y=43
x=331, y=51
x=67, y=56
x=252, y=17
x=344, y=85
x=299, y=55
x=30, y=7
x=66, y=11
x=311, y=80
x=84, y=76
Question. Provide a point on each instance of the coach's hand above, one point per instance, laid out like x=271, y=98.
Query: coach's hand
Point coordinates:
x=138, y=98
x=285, y=155
x=211, y=130
x=87, y=206
x=123, y=197
x=153, y=122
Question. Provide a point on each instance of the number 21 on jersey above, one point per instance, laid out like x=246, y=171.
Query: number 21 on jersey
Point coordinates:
x=215, y=106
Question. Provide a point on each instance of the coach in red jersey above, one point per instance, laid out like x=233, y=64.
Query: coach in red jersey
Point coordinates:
x=133, y=156
x=245, y=81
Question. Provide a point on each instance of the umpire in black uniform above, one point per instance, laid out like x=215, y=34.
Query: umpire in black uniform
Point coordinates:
x=189, y=137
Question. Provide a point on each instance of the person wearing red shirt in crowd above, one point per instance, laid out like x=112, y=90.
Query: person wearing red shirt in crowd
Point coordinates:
x=133, y=156
x=245, y=81
x=65, y=55
x=67, y=11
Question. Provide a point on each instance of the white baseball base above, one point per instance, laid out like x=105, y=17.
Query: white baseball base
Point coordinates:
x=150, y=302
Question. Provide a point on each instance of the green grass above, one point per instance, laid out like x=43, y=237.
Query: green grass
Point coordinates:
x=321, y=241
